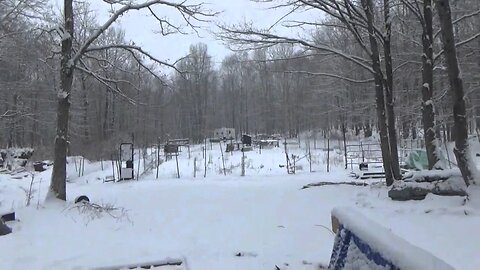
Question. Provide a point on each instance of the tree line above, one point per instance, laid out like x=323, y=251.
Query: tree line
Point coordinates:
x=73, y=82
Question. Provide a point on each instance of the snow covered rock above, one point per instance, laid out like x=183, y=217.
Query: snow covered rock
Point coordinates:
x=417, y=185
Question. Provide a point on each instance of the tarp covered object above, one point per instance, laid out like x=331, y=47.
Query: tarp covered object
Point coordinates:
x=361, y=243
x=417, y=160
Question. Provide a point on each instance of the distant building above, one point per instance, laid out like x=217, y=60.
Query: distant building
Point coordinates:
x=224, y=133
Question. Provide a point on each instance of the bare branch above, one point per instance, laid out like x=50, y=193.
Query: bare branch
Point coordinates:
x=330, y=75
x=106, y=82
x=458, y=44
x=466, y=16
x=248, y=36
x=188, y=12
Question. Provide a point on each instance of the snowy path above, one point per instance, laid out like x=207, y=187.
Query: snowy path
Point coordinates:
x=206, y=222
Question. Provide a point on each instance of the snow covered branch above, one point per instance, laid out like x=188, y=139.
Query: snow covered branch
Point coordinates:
x=190, y=13
x=111, y=84
x=253, y=39
x=330, y=75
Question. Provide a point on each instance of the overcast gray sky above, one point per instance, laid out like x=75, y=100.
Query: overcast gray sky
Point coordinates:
x=140, y=27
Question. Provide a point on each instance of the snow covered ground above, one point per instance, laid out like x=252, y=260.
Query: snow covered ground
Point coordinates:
x=259, y=221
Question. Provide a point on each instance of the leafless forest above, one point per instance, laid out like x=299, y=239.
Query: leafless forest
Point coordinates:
x=70, y=81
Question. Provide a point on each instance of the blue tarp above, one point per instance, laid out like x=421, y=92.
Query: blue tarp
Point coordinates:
x=361, y=243
x=347, y=240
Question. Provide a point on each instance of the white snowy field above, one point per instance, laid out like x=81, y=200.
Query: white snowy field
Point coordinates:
x=265, y=217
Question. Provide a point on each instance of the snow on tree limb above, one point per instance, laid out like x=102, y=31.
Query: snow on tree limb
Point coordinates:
x=132, y=49
x=458, y=44
x=246, y=35
x=331, y=75
x=188, y=12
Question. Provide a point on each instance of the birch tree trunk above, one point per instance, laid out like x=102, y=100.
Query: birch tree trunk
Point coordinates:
x=59, y=174
x=456, y=87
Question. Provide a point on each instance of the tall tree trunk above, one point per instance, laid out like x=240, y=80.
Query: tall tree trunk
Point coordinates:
x=379, y=94
x=456, y=86
x=112, y=114
x=392, y=133
x=106, y=109
x=477, y=94
x=85, y=125
x=59, y=174
x=34, y=120
x=12, y=142
x=428, y=114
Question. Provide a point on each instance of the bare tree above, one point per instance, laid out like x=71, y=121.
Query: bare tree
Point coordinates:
x=358, y=20
x=456, y=87
x=72, y=59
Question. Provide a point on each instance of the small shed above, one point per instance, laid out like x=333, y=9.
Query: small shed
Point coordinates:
x=224, y=133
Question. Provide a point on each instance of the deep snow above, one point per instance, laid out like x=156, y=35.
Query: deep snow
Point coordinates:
x=265, y=217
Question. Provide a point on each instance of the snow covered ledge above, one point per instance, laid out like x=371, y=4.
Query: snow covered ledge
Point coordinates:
x=361, y=243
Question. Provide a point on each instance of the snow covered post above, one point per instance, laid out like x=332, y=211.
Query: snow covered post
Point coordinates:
x=80, y=167
x=344, y=131
x=138, y=167
x=205, y=158
x=178, y=169
x=113, y=169
x=309, y=157
x=75, y=161
x=286, y=155
x=119, y=168
x=328, y=154
x=223, y=160
x=194, y=167
x=158, y=157
x=243, y=162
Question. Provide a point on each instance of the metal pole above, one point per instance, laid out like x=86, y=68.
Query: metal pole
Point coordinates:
x=138, y=169
x=113, y=169
x=310, y=157
x=243, y=162
x=223, y=161
x=158, y=158
x=178, y=170
x=344, y=131
x=205, y=159
x=194, y=167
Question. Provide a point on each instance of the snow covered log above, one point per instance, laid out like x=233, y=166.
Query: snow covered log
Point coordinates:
x=416, y=186
x=161, y=264
x=361, y=243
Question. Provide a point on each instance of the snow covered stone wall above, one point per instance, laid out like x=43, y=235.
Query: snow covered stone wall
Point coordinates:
x=361, y=243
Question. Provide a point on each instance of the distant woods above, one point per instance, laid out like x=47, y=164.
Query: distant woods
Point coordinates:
x=282, y=88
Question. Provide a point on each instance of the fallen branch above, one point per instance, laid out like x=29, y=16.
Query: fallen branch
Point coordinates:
x=361, y=184
x=94, y=211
